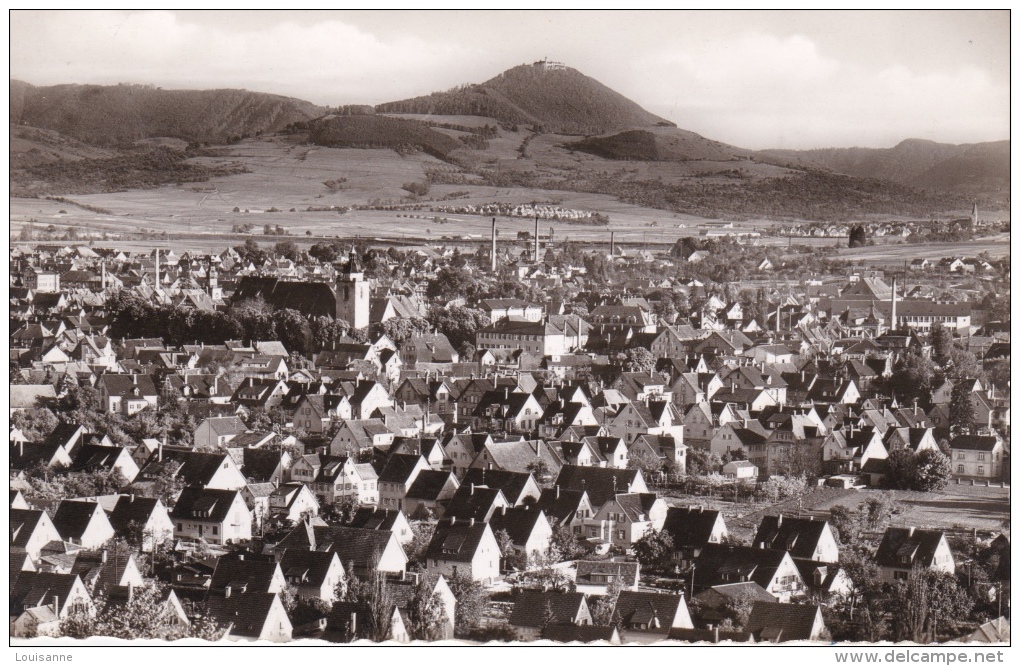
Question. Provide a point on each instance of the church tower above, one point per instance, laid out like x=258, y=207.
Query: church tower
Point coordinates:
x=352, y=294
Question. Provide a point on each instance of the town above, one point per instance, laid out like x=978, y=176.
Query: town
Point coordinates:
x=509, y=439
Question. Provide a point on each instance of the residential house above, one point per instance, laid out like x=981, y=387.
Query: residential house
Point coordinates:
x=625, y=518
x=528, y=528
x=774, y=570
x=692, y=528
x=517, y=487
x=534, y=610
x=601, y=484
x=146, y=517
x=127, y=394
x=292, y=501
x=243, y=572
x=648, y=617
x=215, y=432
x=83, y=523
x=30, y=531
x=396, y=477
x=217, y=516
x=430, y=492
x=466, y=547
x=250, y=616
x=596, y=577
x=312, y=574
x=804, y=538
x=362, y=550
x=387, y=520
x=977, y=457
x=904, y=548
x=775, y=622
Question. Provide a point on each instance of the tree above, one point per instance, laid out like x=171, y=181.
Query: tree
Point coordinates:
x=255, y=318
x=933, y=470
x=422, y=532
x=35, y=423
x=471, y=601
x=912, y=377
x=604, y=606
x=779, y=488
x=287, y=249
x=942, y=343
x=926, y=600
x=293, y=330
x=858, y=236
x=701, y=462
x=426, y=613
x=400, y=329
x=638, y=359
x=565, y=545
x=961, y=409
x=458, y=324
x=655, y=549
x=146, y=615
x=374, y=591
x=901, y=469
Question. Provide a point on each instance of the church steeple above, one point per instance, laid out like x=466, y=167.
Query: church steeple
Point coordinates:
x=352, y=293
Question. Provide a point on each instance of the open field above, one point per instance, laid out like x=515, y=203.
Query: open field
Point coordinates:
x=289, y=176
x=956, y=507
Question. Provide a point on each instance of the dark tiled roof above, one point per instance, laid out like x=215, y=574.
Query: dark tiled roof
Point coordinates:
x=560, y=504
x=918, y=546
x=429, y=484
x=204, y=504
x=456, y=541
x=372, y=518
x=690, y=527
x=73, y=518
x=245, y=575
x=32, y=589
x=23, y=524
x=196, y=467
x=782, y=622
x=625, y=572
x=974, y=443
x=530, y=608
x=472, y=501
x=518, y=522
x=398, y=468
x=641, y=608
x=246, y=613
x=90, y=457
x=310, y=567
x=800, y=536
x=721, y=563
x=596, y=481
x=511, y=483
x=131, y=509
x=361, y=546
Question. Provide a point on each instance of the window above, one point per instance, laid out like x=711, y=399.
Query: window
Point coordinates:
x=900, y=575
x=981, y=470
x=961, y=455
x=215, y=530
x=981, y=457
x=959, y=469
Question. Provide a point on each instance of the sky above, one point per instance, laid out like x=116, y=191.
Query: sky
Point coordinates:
x=768, y=79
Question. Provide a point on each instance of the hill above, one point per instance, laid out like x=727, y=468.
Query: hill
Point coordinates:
x=369, y=131
x=965, y=169
x=550, y=97
x=657, y=144
x=112, y=115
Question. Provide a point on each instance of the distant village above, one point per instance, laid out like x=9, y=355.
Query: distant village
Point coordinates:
x=428, y=443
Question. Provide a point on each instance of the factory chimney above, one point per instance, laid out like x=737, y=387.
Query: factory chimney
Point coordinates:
x=536, y=239
x=493, y=245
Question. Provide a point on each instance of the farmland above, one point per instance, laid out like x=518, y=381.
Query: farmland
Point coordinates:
x=285, y=187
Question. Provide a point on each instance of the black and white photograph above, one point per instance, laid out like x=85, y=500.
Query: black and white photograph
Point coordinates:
x=510, y=328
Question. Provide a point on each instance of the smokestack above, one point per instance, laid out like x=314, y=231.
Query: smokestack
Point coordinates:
x=536, y=239
x=493, y=245
x=892, y=323
x=102, y=265
x=157, y=267
x=56, y=605
x=612, y=243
